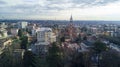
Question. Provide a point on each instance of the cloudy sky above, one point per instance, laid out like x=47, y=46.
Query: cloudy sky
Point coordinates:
x=60, y=9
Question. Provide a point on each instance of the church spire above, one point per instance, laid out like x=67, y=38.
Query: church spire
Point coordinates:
x=71, y=19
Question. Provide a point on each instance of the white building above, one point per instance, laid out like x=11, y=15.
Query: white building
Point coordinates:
x=22, y=24
x=45, y=36
x=33, y=32
x=3, y=25
x=3, y=33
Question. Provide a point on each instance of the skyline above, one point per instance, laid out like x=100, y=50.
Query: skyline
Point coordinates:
x=60, y=9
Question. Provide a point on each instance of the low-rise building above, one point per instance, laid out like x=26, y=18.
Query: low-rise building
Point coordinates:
x=18, y=54
x=85, y=46
x=3, y=33
x=14, y=31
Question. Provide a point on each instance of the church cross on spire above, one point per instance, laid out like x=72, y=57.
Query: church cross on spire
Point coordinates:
x=71, y=19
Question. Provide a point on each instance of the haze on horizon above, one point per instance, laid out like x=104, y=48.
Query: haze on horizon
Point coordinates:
x=60, y=9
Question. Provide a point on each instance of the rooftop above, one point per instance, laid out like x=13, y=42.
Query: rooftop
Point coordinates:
x=44, y=29
x=88, y=43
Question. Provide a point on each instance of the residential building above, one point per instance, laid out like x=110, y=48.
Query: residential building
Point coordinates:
x=22, y=24
x=45, y=36
x=14, y=31
x=3, y=33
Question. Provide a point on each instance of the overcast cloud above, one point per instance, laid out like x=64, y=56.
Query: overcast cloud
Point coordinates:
x=60, y=9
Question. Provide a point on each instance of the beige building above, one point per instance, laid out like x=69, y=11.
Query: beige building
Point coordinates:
x=45, y=36
x=14, y=31
x=3, y=33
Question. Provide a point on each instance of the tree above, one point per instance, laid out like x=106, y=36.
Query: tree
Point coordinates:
x=54, y=58
x=83, y=29
x=29, y=31
x=62, y=39
x=16, y=44
x=24, y=42
x=78, y=61
x=85, y=38
x=78, y=39
x=30, y=59
x=6, y=58
x=20, y=32
x=98, y=47
x=110, y=58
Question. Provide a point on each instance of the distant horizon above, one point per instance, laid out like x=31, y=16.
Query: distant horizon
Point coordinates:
x=54, y=20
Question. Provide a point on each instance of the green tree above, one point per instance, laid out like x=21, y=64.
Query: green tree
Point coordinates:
x=20, y=32
x=30, y=59
x=78, y=39
x=78, y=61
x=62, y=39
x=110, y=58
x=83, y=29
x=85, y=38
x=29, y=31
x=54, y=58
x=99, y=47
x=9, y=58
x=6, y=58
x=24, y=42
x=15, y=44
